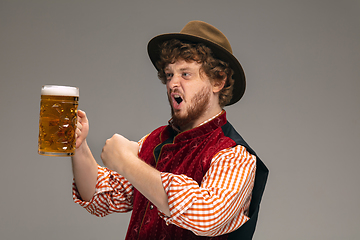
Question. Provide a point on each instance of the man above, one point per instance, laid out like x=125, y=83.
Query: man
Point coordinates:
x=194, y=178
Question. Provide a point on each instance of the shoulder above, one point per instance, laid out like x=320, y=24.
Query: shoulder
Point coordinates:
x=155, y=132
x=151, y=137
x=234, y=155
x=230, y=132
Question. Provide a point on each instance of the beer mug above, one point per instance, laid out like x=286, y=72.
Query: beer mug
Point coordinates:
x=58, y=118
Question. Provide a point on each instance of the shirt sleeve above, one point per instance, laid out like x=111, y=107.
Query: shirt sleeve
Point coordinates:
x=113, y=193
x=220, y=204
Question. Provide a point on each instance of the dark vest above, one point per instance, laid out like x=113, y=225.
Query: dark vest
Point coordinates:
x=189, y=153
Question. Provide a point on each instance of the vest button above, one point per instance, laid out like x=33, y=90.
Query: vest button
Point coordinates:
x=151, y=207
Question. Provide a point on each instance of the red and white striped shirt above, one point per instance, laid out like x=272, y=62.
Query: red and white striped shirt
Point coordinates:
x=218, y=206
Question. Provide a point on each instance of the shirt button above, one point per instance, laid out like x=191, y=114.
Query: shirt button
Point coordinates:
x=151, y=207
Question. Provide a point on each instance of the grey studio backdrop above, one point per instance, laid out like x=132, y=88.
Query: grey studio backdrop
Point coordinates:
x=300, y=111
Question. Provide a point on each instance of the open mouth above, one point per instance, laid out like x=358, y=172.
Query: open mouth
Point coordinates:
x=178, y=99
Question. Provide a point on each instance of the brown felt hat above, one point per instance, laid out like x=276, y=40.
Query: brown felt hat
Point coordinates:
x=202, y=32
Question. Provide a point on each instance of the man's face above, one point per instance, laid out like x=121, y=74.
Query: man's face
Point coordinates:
x=189, y=92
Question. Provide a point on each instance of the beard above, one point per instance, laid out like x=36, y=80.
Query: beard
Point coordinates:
x=195, y=110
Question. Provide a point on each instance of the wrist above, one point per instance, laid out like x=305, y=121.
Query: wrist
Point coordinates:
x=126, y=165
x=82, y=150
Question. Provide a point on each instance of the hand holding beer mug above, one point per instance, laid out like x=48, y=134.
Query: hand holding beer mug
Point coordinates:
x=58, y=119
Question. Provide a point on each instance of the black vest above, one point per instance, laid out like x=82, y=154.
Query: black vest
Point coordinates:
x=246, y=231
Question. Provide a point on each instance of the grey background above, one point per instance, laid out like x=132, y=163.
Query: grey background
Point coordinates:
x=300, y=111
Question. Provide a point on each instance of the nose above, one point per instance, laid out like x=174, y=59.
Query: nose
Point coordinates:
x=174, y=82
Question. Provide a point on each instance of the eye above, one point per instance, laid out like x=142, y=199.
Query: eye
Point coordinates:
x=186, y=75
x=168, y=76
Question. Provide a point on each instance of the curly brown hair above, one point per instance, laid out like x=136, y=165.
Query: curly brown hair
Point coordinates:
x=214, y=68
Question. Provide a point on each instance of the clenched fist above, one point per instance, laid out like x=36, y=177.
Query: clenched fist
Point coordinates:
x=118, y=151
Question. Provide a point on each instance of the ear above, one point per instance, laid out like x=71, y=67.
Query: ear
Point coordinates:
x=218, y=85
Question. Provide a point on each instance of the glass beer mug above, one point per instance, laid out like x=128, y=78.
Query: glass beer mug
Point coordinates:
x=58, y=118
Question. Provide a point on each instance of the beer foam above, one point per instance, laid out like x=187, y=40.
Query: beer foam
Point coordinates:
x=60, y=90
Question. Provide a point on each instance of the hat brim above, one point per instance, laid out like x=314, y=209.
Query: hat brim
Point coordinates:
x=219, y=52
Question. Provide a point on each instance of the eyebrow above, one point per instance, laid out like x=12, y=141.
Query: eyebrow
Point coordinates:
x=186, y=69
x=181, y=69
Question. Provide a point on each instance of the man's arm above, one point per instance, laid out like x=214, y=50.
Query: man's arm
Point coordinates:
x=83, y=163
x=220, y=205
x=121, y=155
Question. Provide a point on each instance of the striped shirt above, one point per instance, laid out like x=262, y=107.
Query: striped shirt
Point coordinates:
x=218, y=206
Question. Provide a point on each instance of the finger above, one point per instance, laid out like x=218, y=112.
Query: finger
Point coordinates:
x=77, y=132
x=81, y=113
x=82, y=116
x=79, y=126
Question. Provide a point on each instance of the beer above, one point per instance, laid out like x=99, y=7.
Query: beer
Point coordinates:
x=58, y=118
